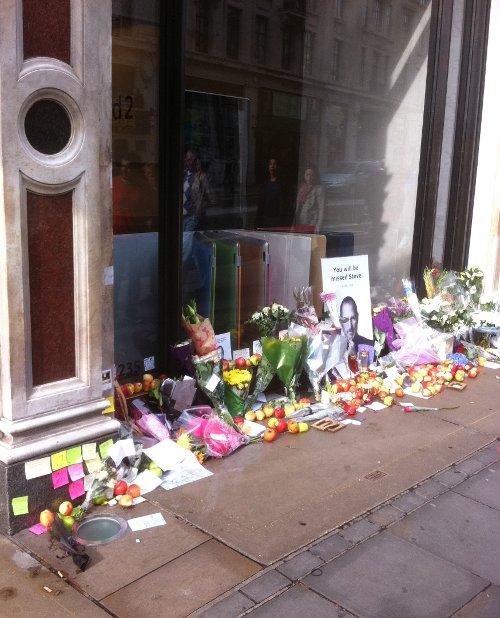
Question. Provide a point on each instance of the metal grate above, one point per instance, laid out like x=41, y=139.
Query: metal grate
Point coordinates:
x=375, y=475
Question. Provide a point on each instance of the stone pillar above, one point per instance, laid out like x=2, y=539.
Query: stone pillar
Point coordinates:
x=55, y=233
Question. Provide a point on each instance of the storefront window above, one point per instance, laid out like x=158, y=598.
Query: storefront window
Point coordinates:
x=336, y=88
x=135, y=185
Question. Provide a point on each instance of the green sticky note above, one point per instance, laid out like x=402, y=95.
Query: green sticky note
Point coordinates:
x=104, y=448
x=74, y=455
x=58, y=461
x=20, y=505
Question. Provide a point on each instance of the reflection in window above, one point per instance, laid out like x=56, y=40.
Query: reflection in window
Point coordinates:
x=308, y=52
x=202, y=26
x=336, y=59
x=268, y=122
x=233, y=32
x=261, y=39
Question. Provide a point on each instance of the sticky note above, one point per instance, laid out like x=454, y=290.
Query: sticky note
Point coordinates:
x=76, y=471
x=37, y=467
x=60, y=478
x=111, y=407
x=38, y=529
x=104, y=448
x=76, y=489
x=58, y=461
x=20, y=505
x=93, y=464
x=89, y=451
x=74, y=455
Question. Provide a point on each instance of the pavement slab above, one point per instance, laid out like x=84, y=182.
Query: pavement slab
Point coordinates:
x=459, y=529
x=385, y=516
x=265, y=585
x=450, y=477
x=485, y=605
x=111, y=566
x=298, y=602
x=330, y=547
x=183, y=585
x=484, y=487
x=300, y=565
x=29, y=589
x=388, y=577
x=233, y=605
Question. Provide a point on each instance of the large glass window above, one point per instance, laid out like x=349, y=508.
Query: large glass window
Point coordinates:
x=315, y=145
x=135, y=185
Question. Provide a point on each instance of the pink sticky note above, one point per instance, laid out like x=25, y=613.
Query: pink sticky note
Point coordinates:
x=60, y=478
x=76, y=471
x=76, y=489
x=38, y=529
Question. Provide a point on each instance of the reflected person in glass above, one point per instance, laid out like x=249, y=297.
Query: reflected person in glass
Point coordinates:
x=196, y=197
x=271, y=207
x=310, y=203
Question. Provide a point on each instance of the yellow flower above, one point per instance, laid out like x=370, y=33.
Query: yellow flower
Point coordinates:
x=183, y=440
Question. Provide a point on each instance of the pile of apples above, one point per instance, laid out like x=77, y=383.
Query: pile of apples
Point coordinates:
x=149, y=383
x=276, y=414
x=428, y=380
x=241, y=362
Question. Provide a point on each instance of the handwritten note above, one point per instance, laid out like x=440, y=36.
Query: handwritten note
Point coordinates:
x=104, y=448
x=76, y=471
x=38, y=529
x=37, y=467
x=60, y=478
x=147, y=521
x=74, y=455
x=76, y=489
x=93, y=464
x=58, y=461
x=20, y=505
x=89, y=451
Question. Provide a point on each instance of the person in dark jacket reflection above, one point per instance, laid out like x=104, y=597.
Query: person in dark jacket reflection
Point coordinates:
x=272, y=200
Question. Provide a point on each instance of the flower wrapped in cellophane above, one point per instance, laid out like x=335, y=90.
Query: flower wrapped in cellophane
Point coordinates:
x=286, y=356
x=324, y=350
x=209, y=435
x=265, y=373
x=236, y=388
x=209, y=375
x=199, y=329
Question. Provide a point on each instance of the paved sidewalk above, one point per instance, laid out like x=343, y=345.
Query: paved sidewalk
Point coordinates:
x=433, y=552
x=398, y=517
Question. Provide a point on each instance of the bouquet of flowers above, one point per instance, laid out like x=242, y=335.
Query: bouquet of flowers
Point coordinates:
x=209, y=435
x=268, y=319
x=265, y=373
x=472, y=280
x=209, y=375
x=324, y=350
x=286, y=356
x=199, y=329
x=305, y=313
x=236, y=387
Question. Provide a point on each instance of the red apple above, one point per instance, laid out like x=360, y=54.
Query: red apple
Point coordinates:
x=240, y=362
x=281, y=425
x=473, y=372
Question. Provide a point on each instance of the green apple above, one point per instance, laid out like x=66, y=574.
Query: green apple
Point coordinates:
x=68, y=522
x=155, y=469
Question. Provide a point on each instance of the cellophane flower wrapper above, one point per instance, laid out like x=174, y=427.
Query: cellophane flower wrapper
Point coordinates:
x=286, y=356
x=324, y=351
x=305, y=313
x=420, y=344
x=235, y=391
x=265, y=373
x=153, y=427
x=209, y=375
x=212, y=434
x=202, y=335
x=383, y=322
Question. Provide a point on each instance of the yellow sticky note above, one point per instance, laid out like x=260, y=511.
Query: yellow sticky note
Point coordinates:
x=111, y=407
x=93, y=464
x=74, y=455
x=20, y=505
x=58, y=461
x=104, y=448
x=89, y=451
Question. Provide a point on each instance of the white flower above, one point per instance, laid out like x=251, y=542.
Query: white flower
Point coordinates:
x=275, y=309
x=256, y=316
x=266, y=311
